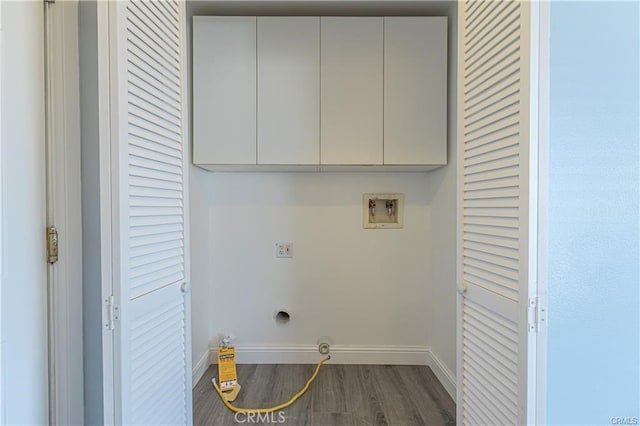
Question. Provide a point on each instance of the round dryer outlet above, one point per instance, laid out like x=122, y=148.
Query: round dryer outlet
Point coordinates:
x=324, y=348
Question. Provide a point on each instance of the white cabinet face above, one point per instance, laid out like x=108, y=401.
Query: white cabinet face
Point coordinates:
x=288, y=90
x=224, y=89
x=415, y=90
x=351, y=90
x=307, y=93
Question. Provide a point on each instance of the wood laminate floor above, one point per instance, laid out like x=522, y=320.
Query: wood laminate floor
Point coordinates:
x=351, y=395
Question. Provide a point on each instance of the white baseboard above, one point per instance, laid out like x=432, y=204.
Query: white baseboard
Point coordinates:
x=442, y=372
x=200, y=367
x=308, y=354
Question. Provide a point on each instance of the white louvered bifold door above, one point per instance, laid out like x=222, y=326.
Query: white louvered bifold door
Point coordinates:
x=496, y=196
x=152, y=361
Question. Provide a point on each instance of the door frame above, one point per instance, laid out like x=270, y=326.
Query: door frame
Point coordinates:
x=544, y=51
x=64, y=207
x=2, y=401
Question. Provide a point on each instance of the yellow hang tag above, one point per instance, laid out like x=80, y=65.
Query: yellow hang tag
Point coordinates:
x=227, y=368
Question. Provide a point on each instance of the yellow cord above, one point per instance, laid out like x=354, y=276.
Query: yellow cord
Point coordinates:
x=277, y=407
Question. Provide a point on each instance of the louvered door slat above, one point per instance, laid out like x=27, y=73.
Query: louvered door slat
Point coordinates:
x=507, y=135
x=154, y=59
x=158, y=246
x=494, y=29
x=494, y=114
x=139, y=20
x=138, y=69
x=494, y=79
x=486, y=102
x=494, y=254
x=506, y=172
x=167, y=24
x=507, y=17
x=498, y=182
x=145, y=121
x=153, y=47
x=475, y=17
x=491, y=93
x=143, y=102
x=170, y=9
x=495, y=54
x=142, y=88
x=170, y=153
x=478, y=355
x=146, y=379
x=488, y=404
x=153, y=374
x=157, y=353
x=145, y=11
x=162, y=256
x=149, y=137
x=142, y=150
x=474, y=416
x=484, y=155
x=494, y=107
x=137, y=181
x=471, y=8
x=146, y=39
x=153, y=239
x=495, y=374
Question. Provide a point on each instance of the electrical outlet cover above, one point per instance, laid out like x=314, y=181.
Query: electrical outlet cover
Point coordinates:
x=284, y=249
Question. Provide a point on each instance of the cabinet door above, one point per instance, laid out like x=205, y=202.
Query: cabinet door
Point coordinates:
x=415, y=90
x=351, y=90
x=224, y=95
x=288, y=90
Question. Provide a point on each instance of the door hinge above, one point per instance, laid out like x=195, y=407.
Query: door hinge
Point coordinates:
x=537, y=315
x=49, y=1
x=52, y=244
x=113, y=313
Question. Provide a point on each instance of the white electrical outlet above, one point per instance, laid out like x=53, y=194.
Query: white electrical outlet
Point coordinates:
x=284, y=249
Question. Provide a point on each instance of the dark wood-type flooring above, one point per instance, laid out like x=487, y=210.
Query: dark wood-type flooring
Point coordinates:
x=341, y=395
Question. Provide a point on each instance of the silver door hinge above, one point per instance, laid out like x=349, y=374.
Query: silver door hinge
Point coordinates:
x=537, y=315
x=52, y=244
x=113, y=313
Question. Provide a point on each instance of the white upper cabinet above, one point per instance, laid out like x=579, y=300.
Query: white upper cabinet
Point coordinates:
x=415, y=90
x=286, y=93
x=224, y=90
x=351, y=91
x=289, y=90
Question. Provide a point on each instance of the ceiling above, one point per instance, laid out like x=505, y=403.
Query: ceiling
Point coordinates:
x=324, y=8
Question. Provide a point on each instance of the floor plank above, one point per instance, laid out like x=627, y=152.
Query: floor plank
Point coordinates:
x=350, y=395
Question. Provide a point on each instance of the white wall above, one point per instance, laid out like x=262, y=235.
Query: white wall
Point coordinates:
x=202, y=325
x=441, y=191
x=361, y=287
x=24, y=309
x=202, y=302
x=594, y=236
